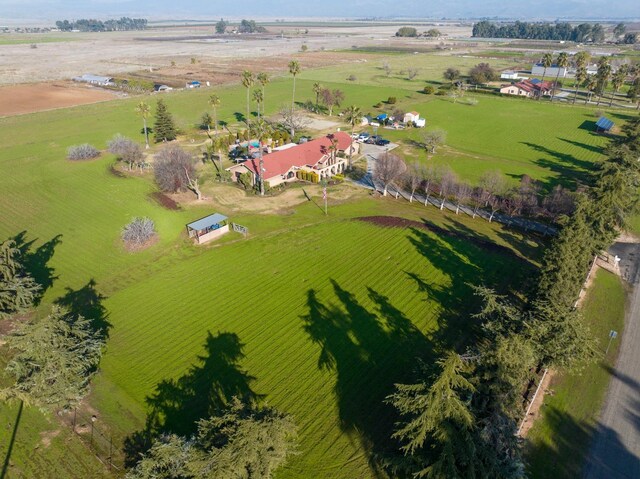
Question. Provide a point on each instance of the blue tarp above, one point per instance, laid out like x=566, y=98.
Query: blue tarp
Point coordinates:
x=604, y=123
x=207, y=222
x=382, y=117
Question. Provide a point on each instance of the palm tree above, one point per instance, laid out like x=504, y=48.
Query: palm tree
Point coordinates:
x=617, y=80
x=547, y=61
x=317, y=88
x=581, y=59
x=561, y=62
x=294, y=69
x=258, y=98
x=591, y=86
x=262, y=129
x=602, y=77
x=352, y=115
x=214, y=102
x=247, y=82
x=264, y=80
x=144, y=111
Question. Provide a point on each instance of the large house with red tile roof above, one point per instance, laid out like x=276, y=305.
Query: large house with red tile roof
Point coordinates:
x=326, y=156
x=528, y=88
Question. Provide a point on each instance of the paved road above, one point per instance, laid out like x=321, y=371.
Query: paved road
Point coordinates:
x=615, y=450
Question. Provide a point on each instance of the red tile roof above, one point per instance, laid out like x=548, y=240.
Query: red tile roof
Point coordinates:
x=529, y=86
x=305, y=154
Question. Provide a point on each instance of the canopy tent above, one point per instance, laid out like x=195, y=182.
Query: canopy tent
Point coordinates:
x=604, y=124
x=201, y=229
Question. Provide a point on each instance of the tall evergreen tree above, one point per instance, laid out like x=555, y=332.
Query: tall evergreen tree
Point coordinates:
x=54, y=360
x=437, y=434
x=18, y=290
x=241, y=441
x=164, y=128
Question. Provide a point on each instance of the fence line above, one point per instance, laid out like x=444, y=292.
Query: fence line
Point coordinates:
x=101, y=444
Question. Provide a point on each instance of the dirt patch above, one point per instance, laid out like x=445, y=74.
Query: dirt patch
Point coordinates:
x=163, y=200
x=396, y=222
x=20, y=99
x=47, y=436
x=116, y=172
x=134, y=248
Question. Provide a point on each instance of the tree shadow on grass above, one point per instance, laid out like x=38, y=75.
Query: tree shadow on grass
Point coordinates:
x=577, y=449
x=208, y=386
x=570, y=168
x=369, y=349
x=36, y=260
x=594, y=149
x=87, y=302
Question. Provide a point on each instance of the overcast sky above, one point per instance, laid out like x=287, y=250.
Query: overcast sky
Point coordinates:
x=199, y=9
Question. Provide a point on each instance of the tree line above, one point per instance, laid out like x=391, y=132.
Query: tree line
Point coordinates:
x=585, y=32
x=493, y=193
x=461, y=419
x=93, y=25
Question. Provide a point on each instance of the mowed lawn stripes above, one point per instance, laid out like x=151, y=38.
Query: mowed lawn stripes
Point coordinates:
x=159, y=326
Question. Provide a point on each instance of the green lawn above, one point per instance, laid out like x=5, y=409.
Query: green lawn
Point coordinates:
x=10, y=39
x=559, y=441
x=330, y=311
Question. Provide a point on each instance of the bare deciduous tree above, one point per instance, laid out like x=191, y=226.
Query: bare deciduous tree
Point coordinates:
x=462, y=193
x=413, y=179
x=558, y=202
x=331, y=98
x=292, y=120
x=412, y=73
x=387, y=68
x=448, y=180
x=174, y=170
x=389, y=168
x=138, y=232
x=429, y=175
x=433, y=139
x=126, y=150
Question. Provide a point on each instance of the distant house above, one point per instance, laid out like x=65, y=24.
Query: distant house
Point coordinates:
x=413, y=117
x=317, y=156
x=592, y=69
x=193, y=84
x=509, y=75
x=94, y=79
x=554, y=70
x=528, y=88
x=159, y=87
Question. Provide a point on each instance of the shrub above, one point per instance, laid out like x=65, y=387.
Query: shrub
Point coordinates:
x=313, y=177
x=407, y=32
x=378, y=105
x=82, y=152
x=352, y=78
x=138, y=232
x=428, y=90
x=392, y=100
x=338, y=177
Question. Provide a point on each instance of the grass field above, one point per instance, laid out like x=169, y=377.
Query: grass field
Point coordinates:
x=559, y=441
x=325, y=313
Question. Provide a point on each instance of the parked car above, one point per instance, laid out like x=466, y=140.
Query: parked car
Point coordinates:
x=372, y=140
x=382, y=142
x=362, y=137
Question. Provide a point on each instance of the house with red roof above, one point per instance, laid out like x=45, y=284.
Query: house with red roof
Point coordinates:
x=528, y=88
x=326, y=156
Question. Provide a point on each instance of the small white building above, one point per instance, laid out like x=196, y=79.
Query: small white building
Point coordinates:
x=509, y=75
x=94, y=79
x=411, y=117
x=420, y=123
